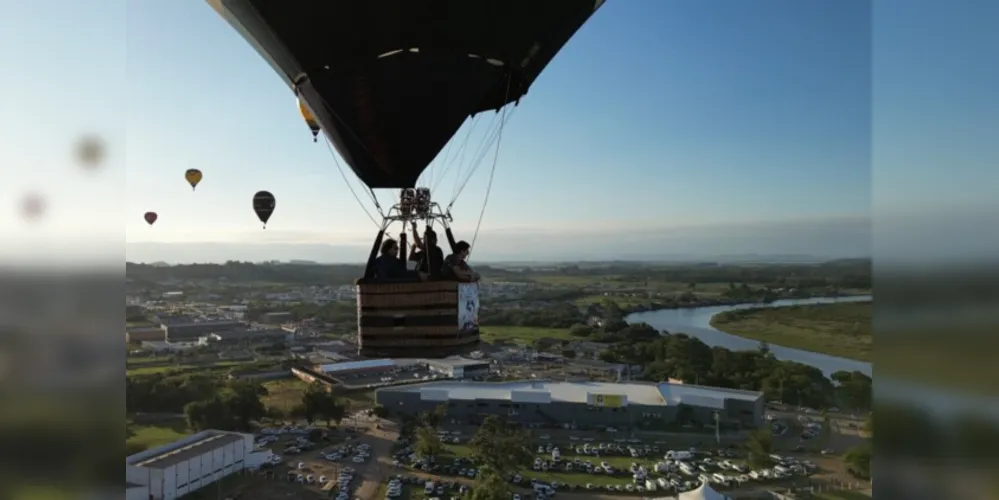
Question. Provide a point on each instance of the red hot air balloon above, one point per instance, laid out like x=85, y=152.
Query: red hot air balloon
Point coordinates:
x=150, y=217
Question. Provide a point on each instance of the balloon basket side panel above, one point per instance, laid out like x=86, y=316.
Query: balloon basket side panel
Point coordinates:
x=411, y=320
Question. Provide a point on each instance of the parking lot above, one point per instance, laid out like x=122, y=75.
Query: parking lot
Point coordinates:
x=336, y=465
x=595, y=463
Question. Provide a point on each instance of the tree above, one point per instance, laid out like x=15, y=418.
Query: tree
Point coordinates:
x=614, y=325
x=858, y=460
x=760, y=446
x=855, y=390
x=428, y=443
x=501, y=447
x=320, y=403
x=491, y=486
x=433, y=419
x=580, y=330
x=380, y=411
x=243, y=400
x=210, y=413
x=569, y=353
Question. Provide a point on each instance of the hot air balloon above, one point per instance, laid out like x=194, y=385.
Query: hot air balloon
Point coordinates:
x=193, y=177
x=263, y=205
x=33, y=206
x=390, y=83
x=309, y=120
x=150, y=217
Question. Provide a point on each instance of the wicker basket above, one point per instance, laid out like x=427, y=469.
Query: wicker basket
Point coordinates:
x=410, y=318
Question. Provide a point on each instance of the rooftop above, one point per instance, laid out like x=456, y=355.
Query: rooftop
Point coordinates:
x=357, y=365
x=171, y=454
x=567, y=392
x=576, y=392
x=457, y=361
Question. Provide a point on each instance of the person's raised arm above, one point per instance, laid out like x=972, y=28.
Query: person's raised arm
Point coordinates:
x=417, y=241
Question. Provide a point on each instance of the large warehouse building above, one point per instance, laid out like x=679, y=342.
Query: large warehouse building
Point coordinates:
x=179, y=468
x=580, y=403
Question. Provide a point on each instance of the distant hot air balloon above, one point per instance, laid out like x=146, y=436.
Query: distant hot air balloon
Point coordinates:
x=309, y=120
x=263, y=205
x=90, y=151
x=193, y=177
x=33, y=206
x=150, y=217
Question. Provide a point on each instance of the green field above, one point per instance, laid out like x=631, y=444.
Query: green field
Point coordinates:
x=148, y=370
x=283, y=394
x=145, y=436
x=842, y=329
x=525, y=334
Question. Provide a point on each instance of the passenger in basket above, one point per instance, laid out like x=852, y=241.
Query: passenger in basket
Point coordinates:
x=428, y=256
x=456, y=268
x=388, y=266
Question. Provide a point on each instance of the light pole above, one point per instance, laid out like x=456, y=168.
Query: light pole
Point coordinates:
x=717, y=418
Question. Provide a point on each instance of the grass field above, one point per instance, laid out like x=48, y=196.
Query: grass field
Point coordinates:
x=148, y=370
x=145, y=436
x=842, y=329
x=284, y=394
x=526, y=334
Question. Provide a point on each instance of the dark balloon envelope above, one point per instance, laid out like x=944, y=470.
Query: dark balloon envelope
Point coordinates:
x=150, y=217
x=263, y=205
x=391, y=81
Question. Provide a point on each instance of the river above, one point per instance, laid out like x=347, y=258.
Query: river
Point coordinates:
x=696, y=322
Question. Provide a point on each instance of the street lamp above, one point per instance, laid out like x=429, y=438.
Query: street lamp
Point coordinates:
x=717, y=418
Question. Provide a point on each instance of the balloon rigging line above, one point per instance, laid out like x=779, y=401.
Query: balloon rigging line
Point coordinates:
x=492, y=171
x=483, y=151
x=347, y=182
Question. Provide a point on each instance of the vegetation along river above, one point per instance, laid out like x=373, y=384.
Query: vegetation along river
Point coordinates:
x=696, y=322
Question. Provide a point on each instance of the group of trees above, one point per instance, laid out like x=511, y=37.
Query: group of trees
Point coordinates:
x=498, y=447
x=209, y=402
x=680, y=356
x=205, y=399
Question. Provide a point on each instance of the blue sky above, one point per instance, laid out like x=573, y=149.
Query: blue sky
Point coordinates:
x=656, y=115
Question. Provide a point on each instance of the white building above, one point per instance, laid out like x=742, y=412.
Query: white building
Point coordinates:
x=184, y=466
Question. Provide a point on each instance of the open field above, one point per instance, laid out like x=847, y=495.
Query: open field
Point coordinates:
x=145, y=436
x=526, y=334
x=284, y=394
x=842, y=330
x=148, y=370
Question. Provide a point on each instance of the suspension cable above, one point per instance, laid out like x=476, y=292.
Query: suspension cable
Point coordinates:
x=484, y=150
x=489, y=185
x=347, y=182
x=492, y=170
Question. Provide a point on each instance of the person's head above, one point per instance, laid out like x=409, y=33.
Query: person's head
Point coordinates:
x=461, y=249
x=390, y=248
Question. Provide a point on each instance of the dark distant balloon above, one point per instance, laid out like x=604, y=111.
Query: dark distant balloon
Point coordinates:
x=150, y=217
x=263, y=205
x=33, y=206
x=90, y=151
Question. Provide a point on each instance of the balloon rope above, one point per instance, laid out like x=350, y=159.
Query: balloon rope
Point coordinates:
x=492, y=171
x=347, y=182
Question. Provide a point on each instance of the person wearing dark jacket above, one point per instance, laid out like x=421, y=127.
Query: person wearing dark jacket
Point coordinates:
x=456, y=268
x=388, y=266
x=428, y=256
